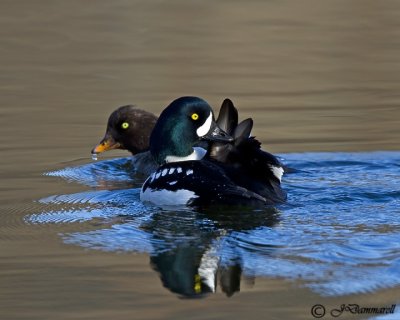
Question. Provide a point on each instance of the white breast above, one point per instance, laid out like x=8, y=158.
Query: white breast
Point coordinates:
x=197, y=154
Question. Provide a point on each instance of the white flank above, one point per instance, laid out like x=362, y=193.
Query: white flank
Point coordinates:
x=171, y=171
x=166, y=197
x=206, y=126
x=164, y=172
x=197, y=154
x=179, y=169
x=277, y=172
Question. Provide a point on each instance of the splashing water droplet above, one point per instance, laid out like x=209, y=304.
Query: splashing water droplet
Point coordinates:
x=94, y=156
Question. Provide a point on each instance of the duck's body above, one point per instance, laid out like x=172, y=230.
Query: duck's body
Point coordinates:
x=224, y=176
x=195, y=183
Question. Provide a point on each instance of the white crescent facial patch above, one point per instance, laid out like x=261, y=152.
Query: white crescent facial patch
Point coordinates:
x=205, y=127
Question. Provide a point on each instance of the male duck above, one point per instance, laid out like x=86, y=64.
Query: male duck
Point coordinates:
x=185, y=178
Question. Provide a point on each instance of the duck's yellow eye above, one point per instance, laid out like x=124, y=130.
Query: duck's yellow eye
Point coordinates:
x=195, y=116
x=125, y=125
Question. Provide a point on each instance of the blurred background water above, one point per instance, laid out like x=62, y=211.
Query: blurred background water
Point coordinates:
x=75, y=242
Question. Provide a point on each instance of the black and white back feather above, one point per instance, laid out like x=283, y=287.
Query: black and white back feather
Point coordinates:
x=196, y=183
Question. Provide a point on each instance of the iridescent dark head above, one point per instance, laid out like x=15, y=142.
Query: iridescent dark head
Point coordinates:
x=185, y=122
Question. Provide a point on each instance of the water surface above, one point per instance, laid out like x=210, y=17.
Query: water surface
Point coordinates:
x=338, y=232
x=316, y=77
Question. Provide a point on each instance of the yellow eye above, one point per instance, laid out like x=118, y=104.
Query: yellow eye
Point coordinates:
x=125, y=125
x=195, y=116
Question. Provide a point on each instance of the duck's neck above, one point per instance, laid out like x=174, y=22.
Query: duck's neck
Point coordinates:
x=197, y=154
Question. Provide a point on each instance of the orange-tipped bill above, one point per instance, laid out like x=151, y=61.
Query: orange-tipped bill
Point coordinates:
x=108, y=143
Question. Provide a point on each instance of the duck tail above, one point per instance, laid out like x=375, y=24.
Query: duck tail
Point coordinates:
x=244, y=150
x=228, y=116
x=242, y=131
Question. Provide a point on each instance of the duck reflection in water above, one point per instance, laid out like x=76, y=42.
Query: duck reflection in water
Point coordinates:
x=193, y=254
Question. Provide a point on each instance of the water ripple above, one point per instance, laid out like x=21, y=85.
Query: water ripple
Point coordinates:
x=339, y=232
x=114, y=173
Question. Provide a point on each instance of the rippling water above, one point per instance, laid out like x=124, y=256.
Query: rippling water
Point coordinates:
x=339, y=232
x=314, y=76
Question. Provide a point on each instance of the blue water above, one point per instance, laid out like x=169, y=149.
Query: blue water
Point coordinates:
x=338, y=233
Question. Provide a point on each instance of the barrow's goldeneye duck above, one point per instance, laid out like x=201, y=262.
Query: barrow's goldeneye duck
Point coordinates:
x=128, y=128
x=183, y=178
